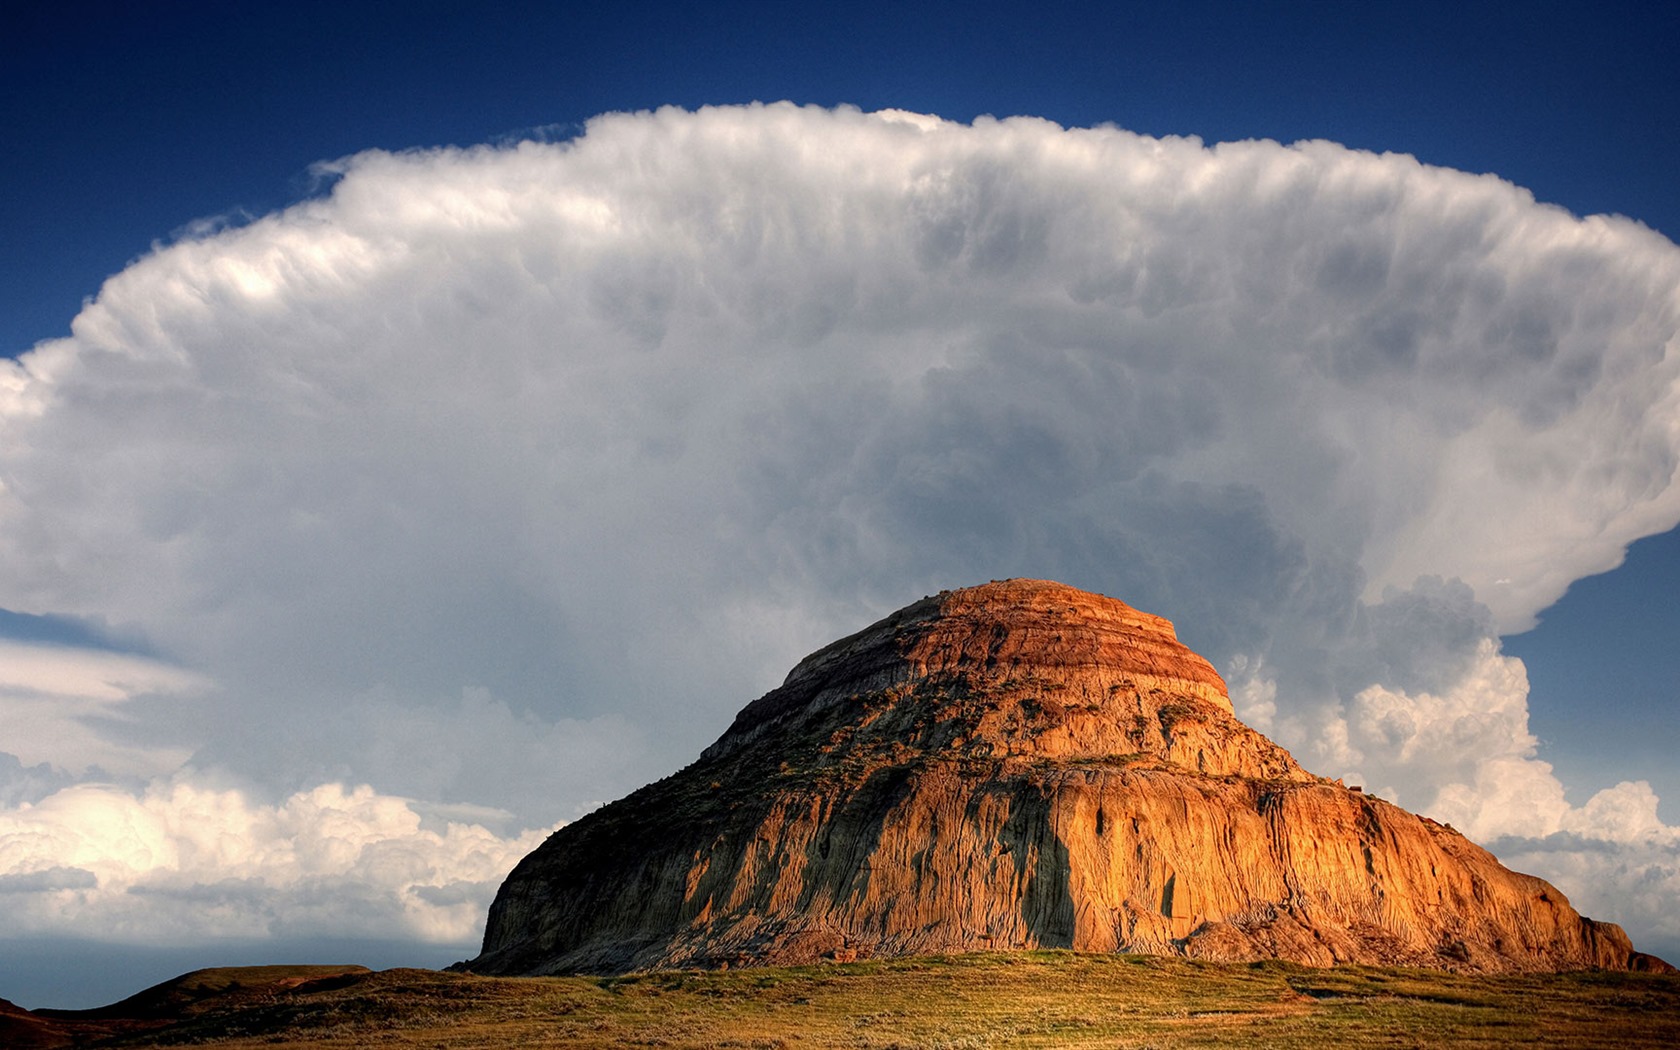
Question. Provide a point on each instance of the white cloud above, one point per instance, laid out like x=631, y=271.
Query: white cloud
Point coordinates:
x=569, y=450
x=1469, y=746
x=182, y=861
x=1465, y=756
x=1615, y=859
x=60, y=704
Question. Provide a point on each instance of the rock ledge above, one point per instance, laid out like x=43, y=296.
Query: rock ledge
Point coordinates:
x=1016, y=765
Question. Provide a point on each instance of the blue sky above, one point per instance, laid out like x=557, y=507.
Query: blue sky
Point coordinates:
x=137, y=127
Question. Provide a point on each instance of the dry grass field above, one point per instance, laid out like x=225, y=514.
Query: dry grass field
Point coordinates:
x=1045, y=999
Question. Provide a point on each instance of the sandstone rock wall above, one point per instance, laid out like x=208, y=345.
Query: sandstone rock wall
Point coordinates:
x=1019, y=765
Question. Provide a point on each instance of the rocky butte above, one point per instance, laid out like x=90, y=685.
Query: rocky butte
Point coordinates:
x=1017, y=765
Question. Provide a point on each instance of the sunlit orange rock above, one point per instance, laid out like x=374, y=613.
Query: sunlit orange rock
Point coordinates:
x=1016, y=765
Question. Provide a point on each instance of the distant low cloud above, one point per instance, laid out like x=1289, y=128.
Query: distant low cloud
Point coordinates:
x=69, y=706
x=181, y=862
x=47, y=880
x=504, y=476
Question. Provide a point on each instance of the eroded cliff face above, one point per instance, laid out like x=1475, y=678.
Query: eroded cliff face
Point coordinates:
x=1016, y=765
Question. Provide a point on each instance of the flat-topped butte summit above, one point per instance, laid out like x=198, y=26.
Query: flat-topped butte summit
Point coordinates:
x=1012, y=766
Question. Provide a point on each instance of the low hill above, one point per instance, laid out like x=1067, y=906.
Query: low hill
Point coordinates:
x=1016, y=999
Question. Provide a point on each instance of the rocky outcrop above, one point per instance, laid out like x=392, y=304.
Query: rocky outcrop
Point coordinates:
x=1016, y=765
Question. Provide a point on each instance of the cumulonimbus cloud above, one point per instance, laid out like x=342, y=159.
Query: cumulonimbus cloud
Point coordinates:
x=607, y=433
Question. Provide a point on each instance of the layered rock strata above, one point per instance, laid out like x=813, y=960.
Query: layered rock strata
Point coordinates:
x=1016, y=765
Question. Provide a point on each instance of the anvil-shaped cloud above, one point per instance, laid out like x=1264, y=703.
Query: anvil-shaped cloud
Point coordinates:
x=503, y=476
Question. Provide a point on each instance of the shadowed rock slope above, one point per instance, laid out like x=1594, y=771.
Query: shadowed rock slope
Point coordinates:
x=1016, y=765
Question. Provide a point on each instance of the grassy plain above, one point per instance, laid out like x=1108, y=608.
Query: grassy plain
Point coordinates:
x=1041, y=999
